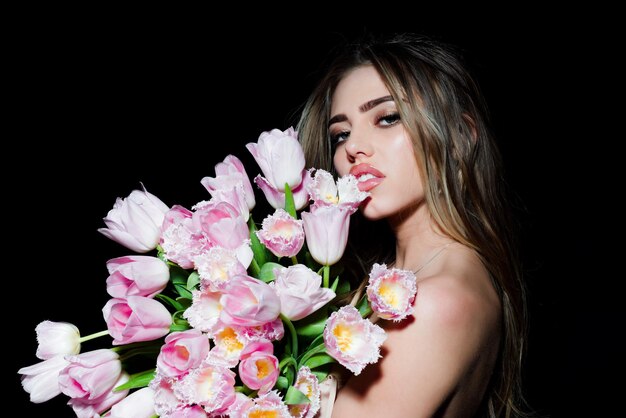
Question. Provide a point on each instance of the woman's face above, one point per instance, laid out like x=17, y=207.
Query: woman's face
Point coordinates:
x=372, y=143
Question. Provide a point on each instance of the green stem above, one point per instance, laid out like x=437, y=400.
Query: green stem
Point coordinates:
x=319, y=349
x=255, y=268
x=286, y=361
x=92, y=336
x=294, y=260
x=294, y=336
x=326, y=276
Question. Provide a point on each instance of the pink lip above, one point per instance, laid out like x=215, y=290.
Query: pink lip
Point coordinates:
x=367, y=185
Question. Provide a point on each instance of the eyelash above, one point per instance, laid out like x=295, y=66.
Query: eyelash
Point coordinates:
x=391, y=118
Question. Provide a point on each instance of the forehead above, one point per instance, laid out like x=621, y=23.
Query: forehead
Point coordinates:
x=358, y=86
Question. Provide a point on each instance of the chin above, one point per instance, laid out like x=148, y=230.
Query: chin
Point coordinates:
x=371, y=212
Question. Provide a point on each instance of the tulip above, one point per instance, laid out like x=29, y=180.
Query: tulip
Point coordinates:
x=300, y=292
x=212, y=386
x=345, y=192
x=41, y=380
x=85, y=408
x=351, y=340
x=249, y=302
x=222, y=224
x=204, y=312
x=307, y=383
x=232, y=166
x=258, y=368
x=56, y=338
x=139, y=404
x=135, y=222
x=267, y=405
x=180, y=239
x=282, y=234
x=188, y=411
x=326, y=231
x=182, y=351
x=90, y=375
x=280, y=157
x=136, y=276
x=165, y=401
x=135, y=319
x=391, y=292
x=216, y=266
x=276, y=198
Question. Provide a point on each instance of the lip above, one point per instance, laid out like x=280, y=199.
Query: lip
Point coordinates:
x=362, y=169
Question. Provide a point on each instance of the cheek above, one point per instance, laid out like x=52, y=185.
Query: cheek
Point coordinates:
x=341, y=164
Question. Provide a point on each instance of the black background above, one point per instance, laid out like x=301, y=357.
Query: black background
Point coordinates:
x=97, y=107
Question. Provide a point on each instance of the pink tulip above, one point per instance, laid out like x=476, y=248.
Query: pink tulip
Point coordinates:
x=181, y=352
x=135, y=319
x=86, y=408
x=56, y=338
x=212, y=386
x=90, y=375
x=41, y=380
x=276, y=198
x=136, y=276
x=204, y=312
x=229, y=343
x=249, y=302
x=165, y=400
x=391, y=292
x=273, y=331
x=326, y=231
x=139, y=404
x=267, y=405
x=231, y=165
x=300, y=292
x=344, y=192
x=282, y=234
x=280, y=157
x=180, y=239
x=135, y=222
x=222, y=224
x=258, y=368
x=216, y=266
x=307, y=383
x=351, y=340
x=189, y=411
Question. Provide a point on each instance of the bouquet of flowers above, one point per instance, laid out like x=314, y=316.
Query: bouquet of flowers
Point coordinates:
x=221, y=316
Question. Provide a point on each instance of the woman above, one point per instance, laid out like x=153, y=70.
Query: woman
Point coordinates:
x=405, y=117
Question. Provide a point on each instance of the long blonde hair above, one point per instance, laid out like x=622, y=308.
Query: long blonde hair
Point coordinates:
x=442, y=109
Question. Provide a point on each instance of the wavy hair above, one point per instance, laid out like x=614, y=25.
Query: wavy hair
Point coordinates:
x=444, y=113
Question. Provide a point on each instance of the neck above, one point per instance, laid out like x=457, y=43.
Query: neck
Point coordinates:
x=417, y=237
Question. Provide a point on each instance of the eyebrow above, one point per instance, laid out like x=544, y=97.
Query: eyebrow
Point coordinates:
x=363, y=108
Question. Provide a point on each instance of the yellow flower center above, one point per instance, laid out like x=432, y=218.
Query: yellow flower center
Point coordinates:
x=263, y=368
x=332, y=199
x=182, y=352
x=344, y=337
x=263, y=414
x=390, y=294
x=228, y=340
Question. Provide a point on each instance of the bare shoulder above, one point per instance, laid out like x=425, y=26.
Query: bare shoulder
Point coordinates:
x=445, y=351
x=459, y=292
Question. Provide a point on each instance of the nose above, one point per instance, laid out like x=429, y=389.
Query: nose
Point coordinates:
x=358, y=146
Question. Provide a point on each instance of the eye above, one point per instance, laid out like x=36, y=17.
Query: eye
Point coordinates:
x=339, y=137
x=388, y=119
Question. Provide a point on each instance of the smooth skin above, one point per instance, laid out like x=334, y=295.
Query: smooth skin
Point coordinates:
x=436, y=363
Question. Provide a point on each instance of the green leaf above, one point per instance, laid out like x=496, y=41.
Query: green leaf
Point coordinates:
x=364, y=307
x=175, y=304
x=138, y=380
x=295, y=397
x=290, y=206
x=258, y=250
x=267, y=271
x=193, y=280
x=317, y=341
x=319, y=360
x=182, y=291
x=343, y=287
x=179, y=327
x=313, y=328
x=178, y=275
x=321, y=375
